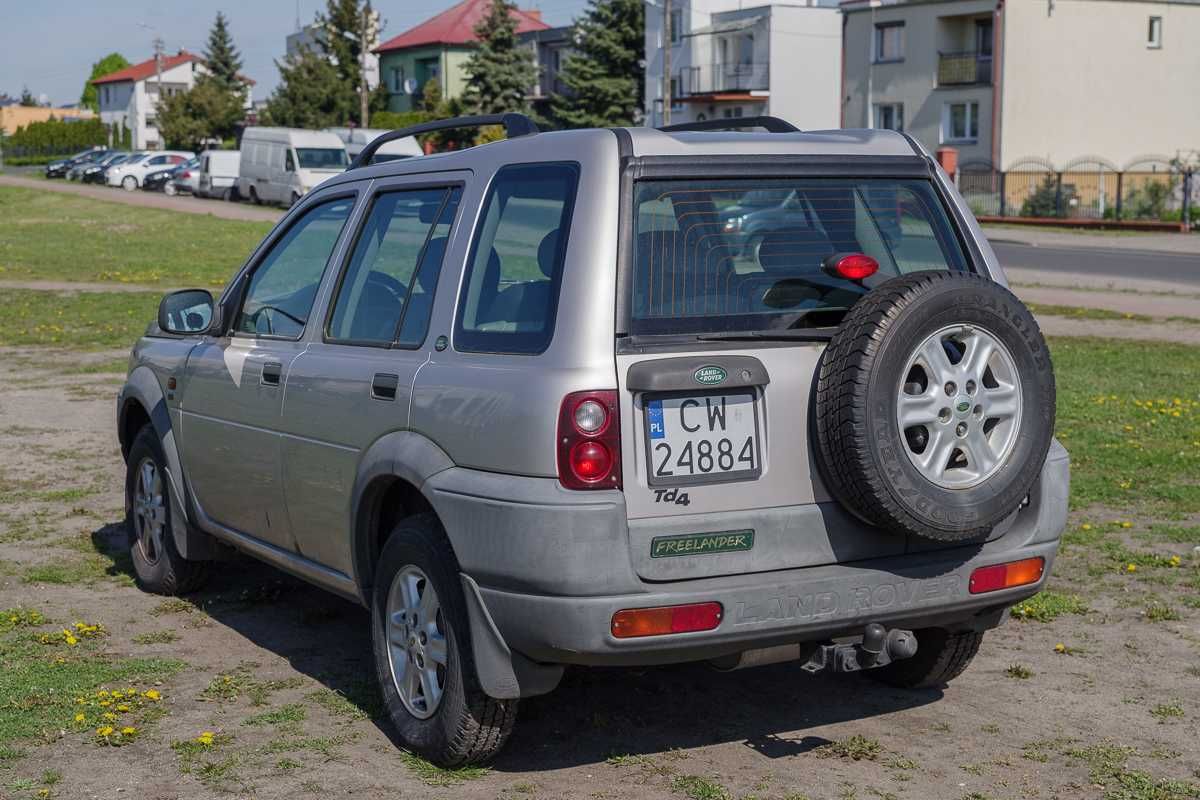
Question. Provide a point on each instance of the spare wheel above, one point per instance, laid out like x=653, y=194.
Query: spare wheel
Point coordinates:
x=935, y=406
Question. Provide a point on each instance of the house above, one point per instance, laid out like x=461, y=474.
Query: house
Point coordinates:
x=439, y=48
x=550, y=48
x=1005, y=83
x=732, y=58
x=309, y=36
x=129, y=97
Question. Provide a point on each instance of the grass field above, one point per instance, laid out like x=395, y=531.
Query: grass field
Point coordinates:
x=59, y=237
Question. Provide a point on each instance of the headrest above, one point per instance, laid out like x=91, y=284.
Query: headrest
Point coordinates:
x=547, y=253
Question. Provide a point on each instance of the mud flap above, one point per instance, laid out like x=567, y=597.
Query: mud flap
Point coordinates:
x=503, y=674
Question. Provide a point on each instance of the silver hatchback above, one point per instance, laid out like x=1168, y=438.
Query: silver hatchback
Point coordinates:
x=611, y=397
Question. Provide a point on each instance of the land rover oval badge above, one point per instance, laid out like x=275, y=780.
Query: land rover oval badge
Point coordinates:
x=710, y=375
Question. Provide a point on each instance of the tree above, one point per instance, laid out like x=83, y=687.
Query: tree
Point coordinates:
x=27, y=98
x=350, y=28
x=206, y=111
x=500, y=70
x=603, y=77
x=222, y=58
x=109, y=64
x=310, y=93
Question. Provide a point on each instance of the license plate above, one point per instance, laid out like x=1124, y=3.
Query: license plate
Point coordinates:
x=702, y=438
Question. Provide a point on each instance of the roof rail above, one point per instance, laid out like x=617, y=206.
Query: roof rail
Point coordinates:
x=514, y=125
x=770, y=124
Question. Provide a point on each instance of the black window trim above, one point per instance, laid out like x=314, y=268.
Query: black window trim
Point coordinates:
x=449, y=186
x=241, y=284
x=459, y=333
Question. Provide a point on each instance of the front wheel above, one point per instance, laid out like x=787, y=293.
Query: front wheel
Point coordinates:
x=129, y=183
x=423, y=656
x=157, y=564
x=170, y=190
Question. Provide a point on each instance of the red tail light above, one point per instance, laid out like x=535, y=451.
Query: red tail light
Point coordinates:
x=589, y=441
x=856, y=266
x=186, y=174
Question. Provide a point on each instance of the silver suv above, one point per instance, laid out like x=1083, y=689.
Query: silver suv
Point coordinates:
x=611, y=397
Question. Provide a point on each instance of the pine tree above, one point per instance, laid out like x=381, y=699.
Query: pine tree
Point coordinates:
x=27, y=98
x=223, y=60
x=500, y=70
x=112, y=62
x=603, y=77
x=310, y=93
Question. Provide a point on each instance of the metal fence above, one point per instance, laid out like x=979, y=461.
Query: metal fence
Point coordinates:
x=1148, y=188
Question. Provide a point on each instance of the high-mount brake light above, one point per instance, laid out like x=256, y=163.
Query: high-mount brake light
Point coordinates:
x=589, y=441
x=855, y=266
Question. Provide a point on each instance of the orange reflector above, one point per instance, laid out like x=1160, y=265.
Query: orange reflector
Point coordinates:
x=632, y=622
x=1006, y=576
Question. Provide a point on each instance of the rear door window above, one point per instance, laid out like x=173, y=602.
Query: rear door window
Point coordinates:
x=715, y=256
x=511, y=290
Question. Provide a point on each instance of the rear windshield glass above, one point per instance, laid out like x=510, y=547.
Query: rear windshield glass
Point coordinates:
x=321, y=157
x=745, y=255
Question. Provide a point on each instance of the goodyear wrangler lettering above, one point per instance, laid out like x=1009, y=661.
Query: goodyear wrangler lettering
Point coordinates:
x=698, y=544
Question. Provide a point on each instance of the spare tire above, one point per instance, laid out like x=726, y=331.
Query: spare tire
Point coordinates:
x=935, y=406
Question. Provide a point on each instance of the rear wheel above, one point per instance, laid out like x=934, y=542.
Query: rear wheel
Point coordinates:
x=254, y=197
x=169, y=189
x=423, y=655
x=157, y=564
x=941, y=657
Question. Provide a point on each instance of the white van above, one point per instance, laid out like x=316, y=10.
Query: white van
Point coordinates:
x=279, y=165
x=356, y=139
x=219, y=174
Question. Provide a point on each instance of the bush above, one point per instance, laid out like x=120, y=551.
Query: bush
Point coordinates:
x=54, y=137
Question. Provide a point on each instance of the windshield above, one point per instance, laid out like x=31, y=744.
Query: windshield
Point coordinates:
x=321, y=157
x=707, y=261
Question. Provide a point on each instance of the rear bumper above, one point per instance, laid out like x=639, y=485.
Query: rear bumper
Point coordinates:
x=553, y=566
x=762, y=610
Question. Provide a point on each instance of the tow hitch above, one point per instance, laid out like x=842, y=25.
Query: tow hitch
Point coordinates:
x=879, y=647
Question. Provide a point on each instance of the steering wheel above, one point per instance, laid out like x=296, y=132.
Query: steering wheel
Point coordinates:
x=381, y=280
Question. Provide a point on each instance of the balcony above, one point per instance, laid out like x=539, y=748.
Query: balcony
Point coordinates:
x=710, y=79
x=964, y=69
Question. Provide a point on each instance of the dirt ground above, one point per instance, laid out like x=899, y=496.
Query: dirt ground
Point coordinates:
x=280, y=674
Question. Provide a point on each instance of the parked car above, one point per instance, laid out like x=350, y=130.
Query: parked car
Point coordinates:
x=219, y=174
x=535, y=418
x=356, y=139
x=184, y=179
x=59, y=168
x=281, y=165
x=94, y=172
x=130, y=174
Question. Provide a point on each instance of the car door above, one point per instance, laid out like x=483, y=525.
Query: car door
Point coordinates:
x=234, y=385
x=354, y=384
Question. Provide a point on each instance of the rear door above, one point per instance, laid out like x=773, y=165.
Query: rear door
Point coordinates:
x=727, y=323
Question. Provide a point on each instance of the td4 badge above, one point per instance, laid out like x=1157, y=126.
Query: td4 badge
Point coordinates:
x=672, y=496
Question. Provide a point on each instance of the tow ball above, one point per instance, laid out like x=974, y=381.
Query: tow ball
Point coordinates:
x=879, y=647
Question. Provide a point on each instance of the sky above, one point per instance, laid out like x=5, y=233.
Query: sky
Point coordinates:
x=51, y=47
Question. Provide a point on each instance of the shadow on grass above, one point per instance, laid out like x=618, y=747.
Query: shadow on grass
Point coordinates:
x=595, y=714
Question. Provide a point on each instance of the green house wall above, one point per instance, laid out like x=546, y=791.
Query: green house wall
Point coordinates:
x=417, y=62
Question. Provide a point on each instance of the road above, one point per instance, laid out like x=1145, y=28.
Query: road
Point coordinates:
x=1102, y=265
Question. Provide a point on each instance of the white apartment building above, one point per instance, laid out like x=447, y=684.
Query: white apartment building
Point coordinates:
x=1007, y=81
x=129, y=96
x=735, y=58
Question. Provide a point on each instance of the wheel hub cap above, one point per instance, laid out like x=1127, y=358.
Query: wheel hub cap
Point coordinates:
x=149, y=511
x=959, y=406
x=417, y=647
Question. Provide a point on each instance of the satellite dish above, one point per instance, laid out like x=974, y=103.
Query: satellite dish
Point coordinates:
x=410, y=85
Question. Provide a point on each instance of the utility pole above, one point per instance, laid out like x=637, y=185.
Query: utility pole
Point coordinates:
x=666, y=79
x=364, y=27
x=158, y=51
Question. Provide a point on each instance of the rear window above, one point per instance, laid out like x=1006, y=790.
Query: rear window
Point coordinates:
x=715, y=256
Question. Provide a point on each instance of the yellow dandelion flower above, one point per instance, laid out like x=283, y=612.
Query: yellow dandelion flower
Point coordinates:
x=1175, y=561
x=72, y=641
x=80, y=717
x=1131, y=567
x=102, y=693
x=1126, y=524
x=205, y=738
x=122, y=707
x=1060, y=648
x=152, y=694
x=1085, y=527
x=128, y=731
x=108, y=715
x=104, y=730
x=106, y=703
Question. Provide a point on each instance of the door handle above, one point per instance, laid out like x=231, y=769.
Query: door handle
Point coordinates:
x=271, y=370
x=383, y=386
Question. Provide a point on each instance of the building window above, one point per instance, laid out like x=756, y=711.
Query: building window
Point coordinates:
x=960, y=122
x=889, y=116
x=676, y=103
x=1154, y=33
x=398, y=80
x=732, y=113
x=889, y=42
x=676, y=25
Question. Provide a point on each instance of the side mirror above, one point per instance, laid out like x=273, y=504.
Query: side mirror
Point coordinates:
x=188, y=312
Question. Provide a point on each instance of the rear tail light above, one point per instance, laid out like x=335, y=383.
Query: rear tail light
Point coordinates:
x=589, y=441
x=630, y=623
x=1006, y=576
x=186, y=174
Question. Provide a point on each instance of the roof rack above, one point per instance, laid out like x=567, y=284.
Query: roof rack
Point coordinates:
x=514, y=125
x=770, y=124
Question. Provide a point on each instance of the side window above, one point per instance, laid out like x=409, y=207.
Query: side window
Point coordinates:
x=515, y=267
x=387, y=289
x=283, y=287
x=288, y=164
